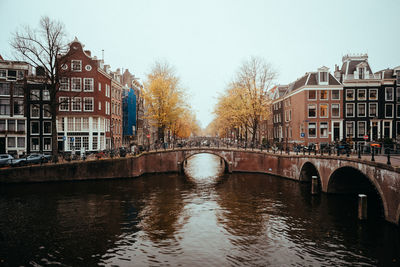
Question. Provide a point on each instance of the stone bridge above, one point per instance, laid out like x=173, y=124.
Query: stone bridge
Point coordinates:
x=335, y=174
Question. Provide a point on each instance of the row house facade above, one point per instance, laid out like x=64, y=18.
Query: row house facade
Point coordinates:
x=309, y=112
x=371, y=101
x=84, y=96
x=116, y=109
x=12, y=106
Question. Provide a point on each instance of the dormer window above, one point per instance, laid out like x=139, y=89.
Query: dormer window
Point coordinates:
x=360, y=73
x=323, y=77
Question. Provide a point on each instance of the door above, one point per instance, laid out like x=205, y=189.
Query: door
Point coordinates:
x=374, y=131
x=336, y=131
x=2, y=145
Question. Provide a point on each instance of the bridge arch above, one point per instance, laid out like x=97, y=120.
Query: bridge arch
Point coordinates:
x=192, y=153
x=307, y=171
x=348, y=180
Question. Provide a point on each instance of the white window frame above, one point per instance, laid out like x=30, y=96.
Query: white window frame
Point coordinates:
x=392, y=110
x=44, y=145
x=327, y=95
x=73, y=101
x=38, y=145
x=64, y=84
x=73, y=87
x=327, y=129
x=369, y=109
x=347, y=115
x=386, y=98
x=44, y=108
x=32, y=106
x=369, y=94
x=358, y=94
x=332, y=98
x=353, y=123
x=397, y=110
x=308, y=110
x=99, y=86
x=91, y=84
x=350, y=90
x=358, y=128
x=332, y=115
x=46, y=95
x=38, y=122
x=44, y=122
x=84, y=104
x=308, y=130
x=74, y=63
x=308, y=95
x=327, y=110
x=100, y=106
x=62, y=99
x=365, y=109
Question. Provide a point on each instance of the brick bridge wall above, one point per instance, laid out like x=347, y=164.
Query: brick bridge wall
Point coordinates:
x=386, y=179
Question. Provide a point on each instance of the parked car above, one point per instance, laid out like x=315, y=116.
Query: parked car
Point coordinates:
x=5, y=160
x=31, y=159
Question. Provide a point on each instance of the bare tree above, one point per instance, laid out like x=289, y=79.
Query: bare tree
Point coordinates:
x=43, y=47
x=253, y=80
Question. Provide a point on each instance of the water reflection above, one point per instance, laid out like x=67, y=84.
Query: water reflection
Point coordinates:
x=203, y=218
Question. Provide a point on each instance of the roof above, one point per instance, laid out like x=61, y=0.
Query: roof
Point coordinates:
x=311, y=78
x=387, y=73
x=349, y=66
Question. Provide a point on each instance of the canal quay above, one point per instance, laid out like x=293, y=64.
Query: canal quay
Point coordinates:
x=210, y=210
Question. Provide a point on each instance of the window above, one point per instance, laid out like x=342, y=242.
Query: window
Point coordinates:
x=94, y=143
x=34, y=127
x=373, y=109
x=398, y=110
x=18, y=106
x=2, y=125
x=323, y=76
x=99, y=87
x=323, y=128
x=35, y=111
x=20, y=74
x=76, y=104
x=323, y=110
x=35, y=143
x=349, y=129
x=20, y=126
x=60, y=124
x=361, y=109
x=398, y=78
x=21, y=142
x=360, y=73
x=361, y=128
x=46, y=95
x=35, y=94
x=11, y=141
x=64, y=103
x=70, y=124
x=99, y=105
x=95, y=123
x=312, y=111
x=78, y=142
x=389, y=93
x=373, y=94
x=12, y=75
x=312, y=95
x=76, y=65
x=4, y=107
x=64, y=84
x=46, y=111
x=46, y=127
x=85, y=142
x=88, y=68
x=78, y=125
x=387, y=129
x=312, y=131
x=324, y=95
x=18, y=89
x=4, y=89
x=335, y=94
x=85, y=124
x=11, y=125
x=76, y=84
x=88, y=104
x=388, y=110
x=47, y=143
x=335, y=110
x=88, y=84
x=3, y=73
x=398, y=94
x=349, y=110
x=350, y=94
x=362, y=94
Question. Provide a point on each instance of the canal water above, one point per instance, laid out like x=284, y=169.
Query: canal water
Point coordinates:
x=203, y=218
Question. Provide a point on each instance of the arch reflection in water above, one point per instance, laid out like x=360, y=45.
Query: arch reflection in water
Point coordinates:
x=204, y=168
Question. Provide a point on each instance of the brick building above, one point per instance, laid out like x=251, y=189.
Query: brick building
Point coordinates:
x=84, y=96
x=116, y=109
x=12, y=106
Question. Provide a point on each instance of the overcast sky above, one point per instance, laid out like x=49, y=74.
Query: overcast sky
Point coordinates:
x=207, y=40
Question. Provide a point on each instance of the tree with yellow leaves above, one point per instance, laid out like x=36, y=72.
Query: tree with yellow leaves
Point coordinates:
x=163, y=96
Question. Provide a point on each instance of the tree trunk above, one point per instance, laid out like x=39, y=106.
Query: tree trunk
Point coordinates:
x=253, y=139
x=161, y=130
